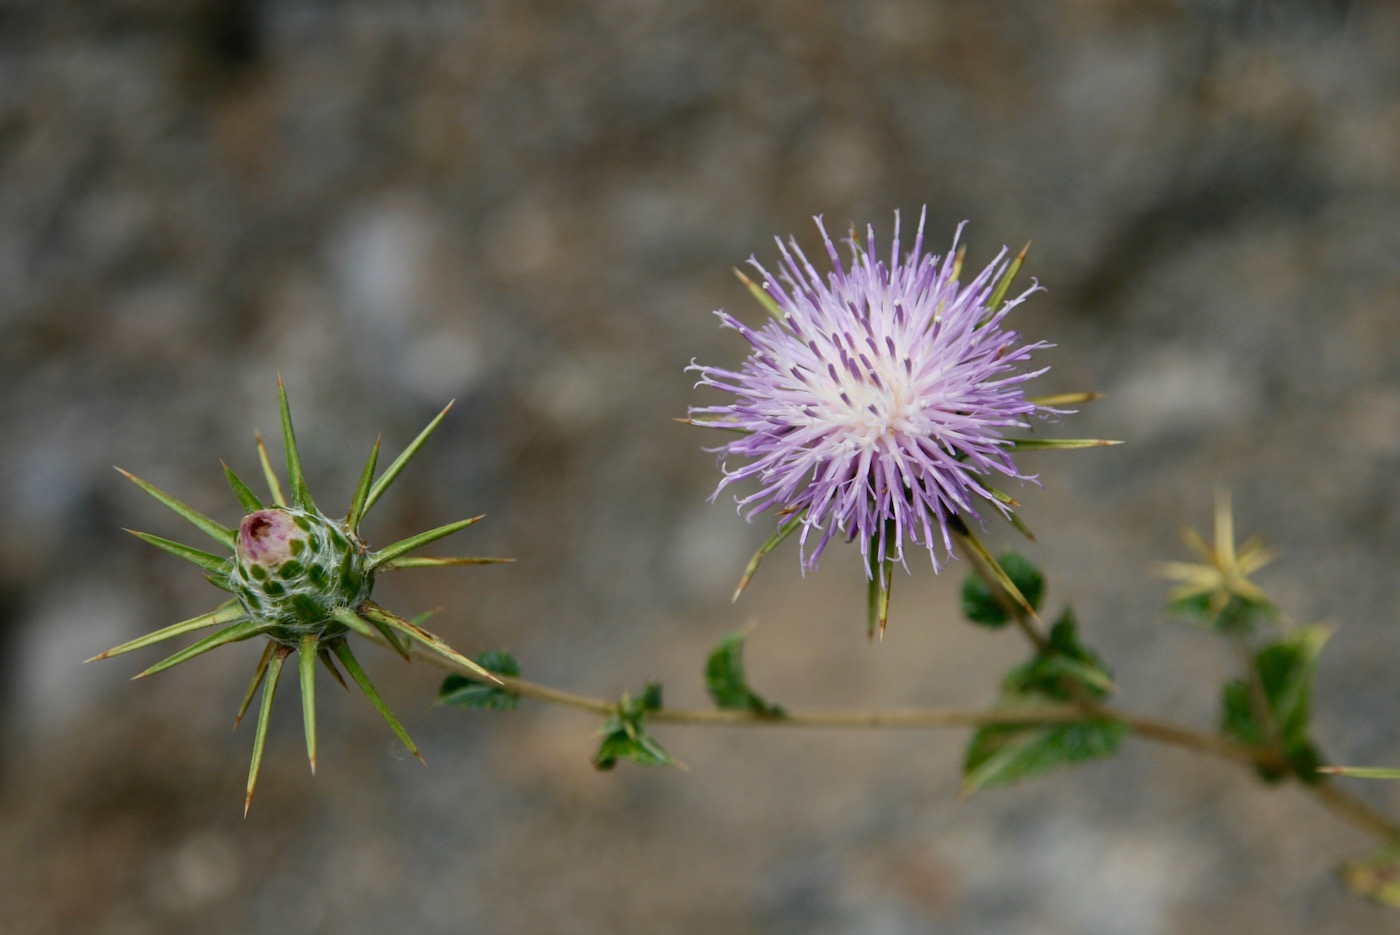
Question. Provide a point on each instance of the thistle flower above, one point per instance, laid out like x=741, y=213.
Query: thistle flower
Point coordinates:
x=875, y=404
x=1217, y=591
x=303, y=581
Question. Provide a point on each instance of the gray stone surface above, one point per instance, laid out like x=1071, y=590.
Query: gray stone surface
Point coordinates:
x=533, y=207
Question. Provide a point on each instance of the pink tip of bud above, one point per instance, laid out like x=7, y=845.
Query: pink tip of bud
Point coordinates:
x=264, y=538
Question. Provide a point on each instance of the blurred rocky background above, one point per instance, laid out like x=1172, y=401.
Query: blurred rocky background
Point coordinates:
x=533, y=207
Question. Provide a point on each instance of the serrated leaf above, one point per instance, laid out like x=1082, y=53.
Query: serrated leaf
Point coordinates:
x=463, y=691
x=625, y=736
x=1285, y=670
x=999, y=755
x=981, y=606
x=726, y=682
x=1065, y=660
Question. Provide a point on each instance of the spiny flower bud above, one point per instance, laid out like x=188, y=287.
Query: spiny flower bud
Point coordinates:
x=294, y=568
x=303, y=581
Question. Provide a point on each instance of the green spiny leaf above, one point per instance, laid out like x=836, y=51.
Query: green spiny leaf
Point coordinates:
x=369, y=629
x=1037, y=444
x=357, y=674
x=981, y=606
x=1005, y=283
x=993, y=567
x=463, y=691
x=246, y=498
x=301, y=497
x=274, y=672
x=216, y=531
x=784, y=530
x=726, y=682
x=274, y=486
x=878, y=592
x=226, y=612
x=306, y=664
x=403, y=546
x=375, y=613
x=1064, y=399
x=358, y=501
x=210, y=563
x=414, y=562
x=1364, y=772
x=324, y=655
x=239, y=631
x=258, y=674
x=769, y=305
x=377, y=489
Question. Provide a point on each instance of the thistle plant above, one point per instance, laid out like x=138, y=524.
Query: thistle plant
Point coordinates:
x=302, y=580
x=879, y=404
x=875, y=404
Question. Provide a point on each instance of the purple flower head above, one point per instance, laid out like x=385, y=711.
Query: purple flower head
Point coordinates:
x=874, y=403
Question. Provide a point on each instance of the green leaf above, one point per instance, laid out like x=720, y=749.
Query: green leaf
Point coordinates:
x=274, y=486
x=1238, y=617
x=1365, y=772
x=376, y=614
x=726, y=682
x=1059, y=444
x=1012, y=269
x=361, y=497
x=391, y=552
x=1285, y=670
x=357, y=675
x=239, y=631
x=981, y=606
x=301, y=497
x=625, y=736
x=769, y=305
x=1376, y=877
x=1067, y=660
x=999, y=755
x=246, y=498
x=441, y=562
x=784, y=530
x=258, y=674
x=227, y=612
x=463, y=691
x=306, y=659
x=392, y=471
x=216, y=531
x=274, y=672
x=210, y=563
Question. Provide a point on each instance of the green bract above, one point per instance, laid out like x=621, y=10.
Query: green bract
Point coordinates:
x=302, y=580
